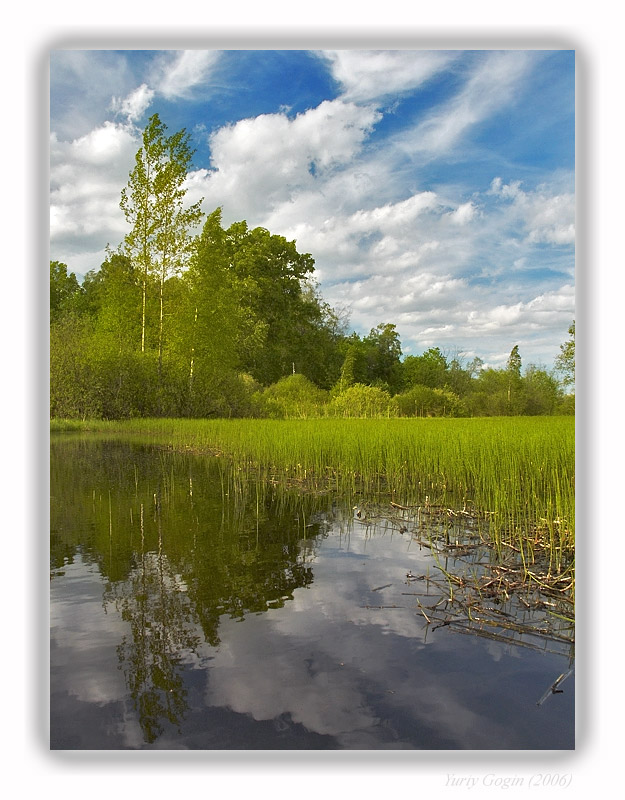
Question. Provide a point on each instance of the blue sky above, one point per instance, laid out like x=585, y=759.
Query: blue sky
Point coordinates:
x=434, y=189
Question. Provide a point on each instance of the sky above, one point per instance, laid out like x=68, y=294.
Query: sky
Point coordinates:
x=435, y=189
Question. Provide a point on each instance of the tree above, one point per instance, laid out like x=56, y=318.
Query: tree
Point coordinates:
x=139, y=204
x=295, y=397
x=421, y=401
x=174, y=221
x=458, y=377
x=383, y=354
x=317, y=333
x=64, y=289
x=513, y=369
x=514, y=362
x=208, y=325
x=125, y=380
x=429, y=369
x=269, y=276
x=541, y=393
x=489, y=393
x=73, y=380
x=565, y=361
x=349, y=368
x=153, y=203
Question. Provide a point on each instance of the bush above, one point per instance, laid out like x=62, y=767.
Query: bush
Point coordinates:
x=293, y=397
x=421, y=401
x=362, y=401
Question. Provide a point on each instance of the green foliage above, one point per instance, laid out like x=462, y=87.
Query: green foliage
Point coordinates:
x=421, y=401
x=372, y=361
x=541, y=393
x=354, y=367
x=429, y=369
x=230, y=323
x=294, y=397
x=267, y=275
x=65, y=290
x=489, y=395
x=383, y=354
x=360, y=400
x=565, y=361
x=73, y=388
x=208, y=322
x=514, y=362
x=158, y=243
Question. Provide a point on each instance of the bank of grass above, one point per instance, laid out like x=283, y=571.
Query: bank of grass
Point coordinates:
x=515, y=475
x=497, y=463
x=519, y=472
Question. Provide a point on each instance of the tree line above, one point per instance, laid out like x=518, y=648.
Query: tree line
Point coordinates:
x=230, y=322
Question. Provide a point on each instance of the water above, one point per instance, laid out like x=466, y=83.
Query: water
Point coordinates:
x=190, y=610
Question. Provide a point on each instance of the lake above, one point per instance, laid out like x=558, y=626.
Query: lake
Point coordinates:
x=191, y=608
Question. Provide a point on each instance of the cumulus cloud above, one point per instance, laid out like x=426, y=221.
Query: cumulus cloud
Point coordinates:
x=82, y=83
x=389, y=241
x=71, y=635
x=261, y=162
x=483, y=322
x=392, y=215
x=365, y=236
x=135, y=104
x=547, y=217
x=86, y=176
x=463, y=214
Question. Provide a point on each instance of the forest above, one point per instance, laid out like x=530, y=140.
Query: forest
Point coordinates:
x=229, y=322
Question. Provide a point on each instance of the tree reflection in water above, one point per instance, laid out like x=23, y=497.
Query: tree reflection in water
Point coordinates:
x=162, y=632
x=177, y=552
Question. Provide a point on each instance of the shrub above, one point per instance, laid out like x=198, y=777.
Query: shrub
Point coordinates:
x=294, y=397
x=362, y=401
x=421, y=401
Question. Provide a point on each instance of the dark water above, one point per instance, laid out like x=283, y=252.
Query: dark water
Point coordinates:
x=192, y=611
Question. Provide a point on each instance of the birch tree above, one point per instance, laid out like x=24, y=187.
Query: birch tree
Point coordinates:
x=139, y=204
x=172, y=239
x=153, y=202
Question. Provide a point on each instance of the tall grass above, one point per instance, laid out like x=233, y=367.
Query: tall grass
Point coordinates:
x=521, y=469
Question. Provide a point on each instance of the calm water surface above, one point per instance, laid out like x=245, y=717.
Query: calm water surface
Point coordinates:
x=192, y=611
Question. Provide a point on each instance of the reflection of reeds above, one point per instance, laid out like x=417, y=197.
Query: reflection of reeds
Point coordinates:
x=514, y=477
x=482, y=592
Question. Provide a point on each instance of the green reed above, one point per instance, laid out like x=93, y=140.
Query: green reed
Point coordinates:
x=519, y=471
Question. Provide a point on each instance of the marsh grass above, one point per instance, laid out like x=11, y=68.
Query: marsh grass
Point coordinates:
x=474, y=587
x=515, y=474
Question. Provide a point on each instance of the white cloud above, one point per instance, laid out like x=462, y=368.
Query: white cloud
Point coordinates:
x=376, y=234
x=95, y=677
x=463, y=214
x=322, y=657
x=370, y=74
x=547, y=217
x=135, y=105
x=179, y=72
x=392, y=215
x=482, y=323
x=385, y=243
x=86, y=177
x=261, y=163
x=82, y=83
x=489, y=89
